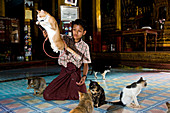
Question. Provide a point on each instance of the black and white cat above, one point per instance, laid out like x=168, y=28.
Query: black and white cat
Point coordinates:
x=127, y=96
x=100, y=68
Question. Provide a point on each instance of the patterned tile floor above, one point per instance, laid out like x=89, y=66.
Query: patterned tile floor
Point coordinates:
x=15, y=98
x=16, y=74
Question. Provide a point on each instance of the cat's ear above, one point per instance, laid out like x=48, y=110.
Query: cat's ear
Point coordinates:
x=42, y=11
x=80, y=94
x=38, y=11
x=168, y=104
x=141, y=78
x=88, y=91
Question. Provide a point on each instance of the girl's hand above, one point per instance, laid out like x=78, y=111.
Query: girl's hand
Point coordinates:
x=82, y=81
x=65, y=45
x=45, y=33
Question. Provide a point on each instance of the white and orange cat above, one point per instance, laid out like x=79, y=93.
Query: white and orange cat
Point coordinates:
x=49, y=23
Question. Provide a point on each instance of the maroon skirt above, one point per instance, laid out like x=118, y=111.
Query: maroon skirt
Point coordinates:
x=64, y=87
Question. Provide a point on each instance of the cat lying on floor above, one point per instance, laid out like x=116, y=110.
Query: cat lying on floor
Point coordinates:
x=100, y=68
x=85, y=103
x=49, y=23
x=37, y=83
x=127, y=95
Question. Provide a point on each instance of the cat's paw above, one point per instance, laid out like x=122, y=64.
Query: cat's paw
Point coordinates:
x=37, y=22
x=40, y=94
x=135, y=106
x=138, y=106
x=34, y=93
x=55, y=50
x=132, y=105
x=96, y=105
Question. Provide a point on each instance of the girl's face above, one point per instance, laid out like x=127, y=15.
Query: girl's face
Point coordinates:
x=78, y=32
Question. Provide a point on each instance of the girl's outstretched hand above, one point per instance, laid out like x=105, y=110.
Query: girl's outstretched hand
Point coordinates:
x=82, y=81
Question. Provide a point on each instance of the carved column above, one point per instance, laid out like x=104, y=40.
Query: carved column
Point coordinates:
x=2, y=7
x=80, y=8
x=118, y=24
x=35, y=18
x=96, y=24
x=53, y=8
x=98, y=15
x=118, y=14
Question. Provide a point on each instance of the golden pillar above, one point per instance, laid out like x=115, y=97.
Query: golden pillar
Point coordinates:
x=80, y=8
x=2, y=7
x=98, y=15
x=59, y=15
x=60, y=2
x=53, y=8
x=35, y=18
x=96, y=24
x=94, y=14
x=118, y=14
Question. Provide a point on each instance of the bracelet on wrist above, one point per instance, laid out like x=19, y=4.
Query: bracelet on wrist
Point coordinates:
x=84, y=76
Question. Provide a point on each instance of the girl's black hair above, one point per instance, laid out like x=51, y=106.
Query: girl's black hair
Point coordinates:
x=80, y=22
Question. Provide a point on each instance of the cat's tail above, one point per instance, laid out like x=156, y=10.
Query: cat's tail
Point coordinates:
x=115, y=103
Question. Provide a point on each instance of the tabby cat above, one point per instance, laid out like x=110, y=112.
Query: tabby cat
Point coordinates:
x=127, y=95
x=49, y=23
x=37, y=83
x=168, y=106
x=85, y=103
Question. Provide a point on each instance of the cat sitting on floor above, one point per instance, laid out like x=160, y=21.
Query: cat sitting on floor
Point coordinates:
x=100, y=68
x=98, y=94
x=127, y=96
x=37, y=83
x=85, y=103
x=49, y=23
